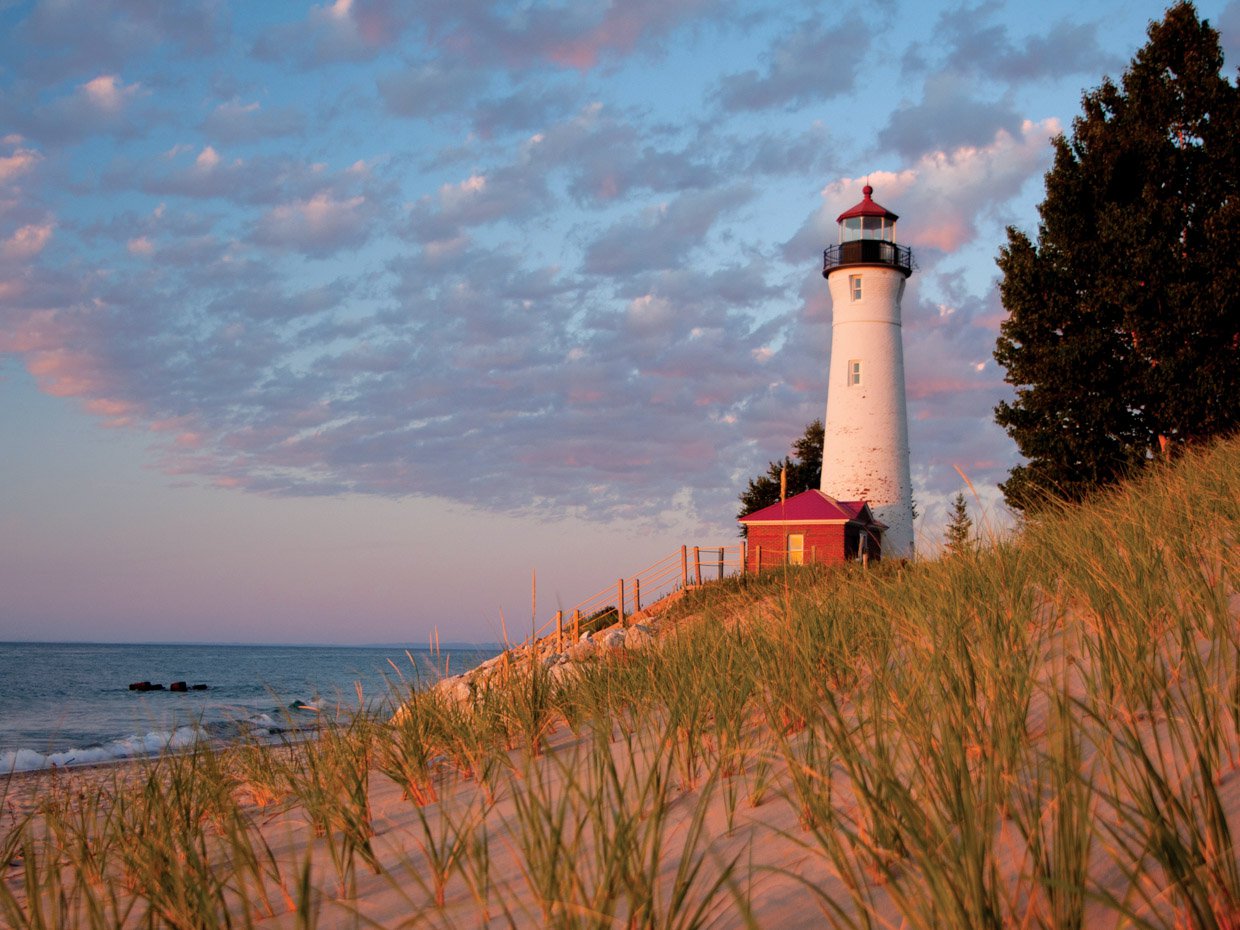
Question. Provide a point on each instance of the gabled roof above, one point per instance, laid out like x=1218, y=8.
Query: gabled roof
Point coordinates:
x=814, y=507
x=867, y=207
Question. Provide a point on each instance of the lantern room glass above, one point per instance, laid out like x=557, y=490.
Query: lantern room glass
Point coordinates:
x=868, y=227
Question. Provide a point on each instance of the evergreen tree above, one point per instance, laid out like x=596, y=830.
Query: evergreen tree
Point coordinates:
x=804, y=468
x=1123, y=334
x=959, y=533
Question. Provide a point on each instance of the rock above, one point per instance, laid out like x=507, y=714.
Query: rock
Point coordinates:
x=552, y=660
x=638, y=636
x=581, y=651
x=139, y=686
x=460, y=690
x=563, y=671
x=613, y=639
x=198, y=687
x=178, y=686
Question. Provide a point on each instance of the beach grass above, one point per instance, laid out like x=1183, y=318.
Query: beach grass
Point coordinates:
x=1041, y=732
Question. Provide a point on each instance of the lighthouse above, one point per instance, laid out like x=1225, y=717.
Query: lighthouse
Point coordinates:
x=865, y=455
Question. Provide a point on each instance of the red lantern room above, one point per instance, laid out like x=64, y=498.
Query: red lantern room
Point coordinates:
x=867, y=237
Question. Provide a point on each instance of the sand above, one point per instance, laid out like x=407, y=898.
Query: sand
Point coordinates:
x=748, y=820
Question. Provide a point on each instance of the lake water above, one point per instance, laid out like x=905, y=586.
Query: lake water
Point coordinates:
x=70, y=703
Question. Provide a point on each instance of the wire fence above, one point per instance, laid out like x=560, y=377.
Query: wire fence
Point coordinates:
x=629, y=597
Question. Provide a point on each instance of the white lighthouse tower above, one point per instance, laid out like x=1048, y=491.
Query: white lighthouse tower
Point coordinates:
x=865, y=454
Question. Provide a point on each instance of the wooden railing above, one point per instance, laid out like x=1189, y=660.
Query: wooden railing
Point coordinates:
x=688, y=567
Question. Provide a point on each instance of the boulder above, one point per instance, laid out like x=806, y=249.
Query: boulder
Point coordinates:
x=139, y=686
x=198, y=687
x=581, y=651
x=563, y=671
x=638, y=636
x=178, y=686
x=613, y=639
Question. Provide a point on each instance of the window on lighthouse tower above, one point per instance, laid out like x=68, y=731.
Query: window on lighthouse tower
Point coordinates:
x=854, y=371
x=854, y=286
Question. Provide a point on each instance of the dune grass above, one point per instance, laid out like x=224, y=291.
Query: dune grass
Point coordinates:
x=1042, y=733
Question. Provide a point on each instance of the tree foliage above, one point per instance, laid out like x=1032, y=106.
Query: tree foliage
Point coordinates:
x=958, y=536
x=1123, y=333
x=804, y=473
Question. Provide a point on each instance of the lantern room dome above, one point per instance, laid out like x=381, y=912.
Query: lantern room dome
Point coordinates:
x=867, y=237
x=867, y=207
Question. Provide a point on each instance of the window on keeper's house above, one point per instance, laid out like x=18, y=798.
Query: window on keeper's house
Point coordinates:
x=854, y=371
x=796, y=548
x=854, y=286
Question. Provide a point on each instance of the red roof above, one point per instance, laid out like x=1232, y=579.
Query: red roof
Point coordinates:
x=867, y=207
x=813, y=507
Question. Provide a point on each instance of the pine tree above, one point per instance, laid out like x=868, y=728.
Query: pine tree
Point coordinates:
x=804, y=470
x=1123, y=334
x=959, y=534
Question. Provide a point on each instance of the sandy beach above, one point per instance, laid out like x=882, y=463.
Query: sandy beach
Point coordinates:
x=722, y=846
x=1034, y=735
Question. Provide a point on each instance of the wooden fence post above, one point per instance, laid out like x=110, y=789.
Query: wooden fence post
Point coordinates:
x=684, y=567
x=742, y=548
x=720, y=563
x=620, y=599
x=576, y=625
x=637, y=595
x=697, y=564
x=559, y=631
x=758, y=563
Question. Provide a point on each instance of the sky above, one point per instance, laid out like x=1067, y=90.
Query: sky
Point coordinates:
x=341, y=322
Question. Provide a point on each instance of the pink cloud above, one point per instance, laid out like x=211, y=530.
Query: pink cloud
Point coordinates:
x=109, y=93
x=27, y=242
x=945, y=193
x=18, y=163
x=10, y=290
x=65, y=373
x=318, y=225
x=623, y=25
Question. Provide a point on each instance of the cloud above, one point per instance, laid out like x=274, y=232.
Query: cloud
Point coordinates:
x=510, y=193
x=431, y=88
x=943, y=195
x=609, y=158
x=967, y=41
x=318, y=226
x=1228, y=25
x=18, y=162
x=812, y=151
x=340, y=30
x=233, y=122
x=140, y=245
x=568, y=279
x=578, y=36
x=108, y=93
x=72, y=37
x=26, y=242
x=948, y=116
x=208, y=172
x=809, y=63
x=529, y=107
x=661, y=236
x=103, y=104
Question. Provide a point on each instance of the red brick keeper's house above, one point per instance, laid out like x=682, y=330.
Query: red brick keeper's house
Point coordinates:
x=811, y=527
